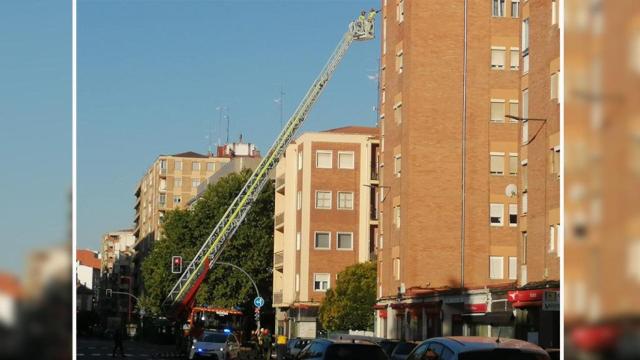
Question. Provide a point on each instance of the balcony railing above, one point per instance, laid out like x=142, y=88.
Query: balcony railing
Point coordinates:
x=280, y=184
x=277, y=297
x=278, y=259
x=279, y=221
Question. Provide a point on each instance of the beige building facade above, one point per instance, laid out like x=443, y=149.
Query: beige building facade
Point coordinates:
x=325, y=219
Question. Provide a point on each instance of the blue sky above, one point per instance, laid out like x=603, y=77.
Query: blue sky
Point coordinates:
x=151, y=74
x=35, y=138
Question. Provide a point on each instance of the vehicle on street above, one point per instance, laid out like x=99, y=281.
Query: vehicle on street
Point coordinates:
x=388, y=346
x=476, y=348
x=321, y=349
x=220, y=345
x=402, y=350
x=294, y=346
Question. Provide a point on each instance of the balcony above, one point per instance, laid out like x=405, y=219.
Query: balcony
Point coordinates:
x=280, y=184
x=163, y=172
x=278, y=260
x=277, y=297
x=279, y=222
x=375, y=176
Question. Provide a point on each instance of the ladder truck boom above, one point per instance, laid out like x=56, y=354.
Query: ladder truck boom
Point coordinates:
x=182, y=296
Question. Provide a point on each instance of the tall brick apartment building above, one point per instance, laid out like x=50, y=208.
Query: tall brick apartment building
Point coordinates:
x=326, y=218
x=449, y=248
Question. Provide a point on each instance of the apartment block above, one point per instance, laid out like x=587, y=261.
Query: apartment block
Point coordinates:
x=326, y=218
x=116, y=272
x=451, y=160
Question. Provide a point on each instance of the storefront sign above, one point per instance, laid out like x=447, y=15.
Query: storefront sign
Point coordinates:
x=475, y=308
x=525, y=295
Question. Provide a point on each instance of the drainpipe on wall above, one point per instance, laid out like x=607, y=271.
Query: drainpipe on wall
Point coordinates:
x=464, y=146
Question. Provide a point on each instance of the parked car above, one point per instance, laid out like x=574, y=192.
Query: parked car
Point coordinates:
x=294, y=346
x=321, y=349
x=402, y=350
x=222, y=345
x=388, y=346
x=476, y=348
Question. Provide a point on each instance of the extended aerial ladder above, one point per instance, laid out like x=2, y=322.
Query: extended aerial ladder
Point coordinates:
x=182, y=295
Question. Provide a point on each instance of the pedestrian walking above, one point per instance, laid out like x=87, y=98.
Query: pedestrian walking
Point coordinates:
x=117, y=342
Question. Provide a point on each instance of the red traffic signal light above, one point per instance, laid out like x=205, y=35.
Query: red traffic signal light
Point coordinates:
x=176, y=264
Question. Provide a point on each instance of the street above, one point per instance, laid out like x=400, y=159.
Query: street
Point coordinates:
x=102, y=349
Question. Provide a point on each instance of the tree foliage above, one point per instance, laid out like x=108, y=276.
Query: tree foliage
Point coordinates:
x=349, y=305
x=251, y=248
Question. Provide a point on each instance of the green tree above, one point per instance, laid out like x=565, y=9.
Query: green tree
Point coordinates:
x=349, y=305
x=251, y=248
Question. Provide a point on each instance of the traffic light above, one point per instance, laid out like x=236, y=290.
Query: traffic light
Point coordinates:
x=176, y=264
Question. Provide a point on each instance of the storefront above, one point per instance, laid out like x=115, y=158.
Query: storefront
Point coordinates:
x=536, y=321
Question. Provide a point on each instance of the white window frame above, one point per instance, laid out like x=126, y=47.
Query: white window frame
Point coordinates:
x=515, y=66
x=554, y=84
x=324, y=152
x=552, y=238
x=513, y=268
x=330, y=199
x=300, y=158
x=517, y=15
x=162, y=199
x=513, y=155
x=524, y=203
x=400, y=11
x=178, y=165
x=493, y=260
x=315, y=280
x=399, y=61
x=396, y=268
x=501, y=9
x=353, y=160
x=397, y=165
x=504, y=55
x=315, y=240
x=298, y=240
x=211, y=166
x=496, y=205
x=397, y=112
x=554, y=12
x=195, y=183
x=501, y=119
x=517, y=114
x=195, y=166
x=513, y=210
x=338, y=200
x=397, y=216
x=299, y=200
x=491, y=155
x=298, y=282
x=338, y=240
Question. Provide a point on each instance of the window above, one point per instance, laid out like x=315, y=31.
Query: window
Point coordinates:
x=497, y=163
x=298, y=240
x=525, y=133
x=513, y=110
x=497, y=58
x=523, y=258
x=396, y=268
x=397, y=113
x=515, y=8
x=177, y=199
x=345, y=200
x=177, y=183
x=496, y=214
x=496, y=267
x=400, y=11
x=211, y=166
x=162, y=199
x=552, y=238
x=345, y=241
x=384, y=35
x=554, y=12
x=323, y=199
x=321, y=282
x=397, y=165
x=399, y=61
x=524, y=175
x=524, y=204
x=178, y=165
x=299, y=200
x=195, y=166
x=525, y=46
x=513, y=164
x=195, y=183
x=323, y=159
x=297, y=282
x=300, y=160
x=513, y=268
x=498, y=7
x=515, y=58
x=513, y=214
x=497, y=111
x=322, y=240
x=396, y=216
x=345, y=160
x=555, y=161
x=381, y=241
x=163, y=184
x=554, y=86
x=163, y=164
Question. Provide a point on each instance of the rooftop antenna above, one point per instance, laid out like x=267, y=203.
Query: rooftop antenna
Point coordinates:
x=227, y=117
